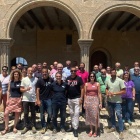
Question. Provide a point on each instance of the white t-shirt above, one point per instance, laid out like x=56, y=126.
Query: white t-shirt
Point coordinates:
x=29, y=96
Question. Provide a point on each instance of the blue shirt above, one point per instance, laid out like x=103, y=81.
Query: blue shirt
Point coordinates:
x=136, y=81
x=67, y=71
x=59, y=95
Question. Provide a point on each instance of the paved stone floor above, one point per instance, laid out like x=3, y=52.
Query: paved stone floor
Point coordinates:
x=130, y=132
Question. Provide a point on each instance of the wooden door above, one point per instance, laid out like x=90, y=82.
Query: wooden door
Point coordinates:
x=98, y=57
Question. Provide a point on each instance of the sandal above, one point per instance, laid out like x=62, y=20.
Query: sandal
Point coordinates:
x=94, y=135
x=15, y=130
x=90, y=134
x=5, y=131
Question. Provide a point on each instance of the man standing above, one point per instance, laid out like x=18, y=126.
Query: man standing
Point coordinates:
x=67, y=68
x=45, y=66
x=136, y=64
x=38, y=73
x=84, y=75
x=96, y=71
x=44, y=98
x=19, y=66
x=114, y=89
x=55, y=68
x=136, y=80
x=75, y=93
x=28, y=87
x=60, y=70
x=118, y=70
x=102, y=80
x=34, y=66
x=4, y=79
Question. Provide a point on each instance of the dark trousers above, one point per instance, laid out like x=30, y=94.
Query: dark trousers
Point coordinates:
x=26, y=106
x=56, y=108
x=126, y=109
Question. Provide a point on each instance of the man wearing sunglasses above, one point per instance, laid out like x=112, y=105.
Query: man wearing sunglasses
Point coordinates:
x=4, y=79
x=136, y=80
x=136, y=64
x=75, y=93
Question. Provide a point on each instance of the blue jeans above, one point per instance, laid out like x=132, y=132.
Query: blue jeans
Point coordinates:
x=137, y=98
x=126, y=109
x=56, y=108
x=46, y=105
x=112, y=108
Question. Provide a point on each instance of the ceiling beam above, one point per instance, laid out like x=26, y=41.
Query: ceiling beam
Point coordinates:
x=138, y=28
x=103, y=21
x=115, y=20
x=20, y=25
x=30, y=12
x=27, y=22
x=133, y=24
x=47, y=18
x=126, y=22
x=58, y=17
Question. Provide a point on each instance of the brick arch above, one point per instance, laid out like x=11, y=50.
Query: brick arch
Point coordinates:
x=112, y=8
x=18, y=12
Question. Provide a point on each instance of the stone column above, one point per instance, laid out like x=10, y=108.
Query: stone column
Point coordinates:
x=5, y=45
x=85, y=46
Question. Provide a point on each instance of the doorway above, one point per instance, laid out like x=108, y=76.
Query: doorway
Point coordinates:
x=98, y=57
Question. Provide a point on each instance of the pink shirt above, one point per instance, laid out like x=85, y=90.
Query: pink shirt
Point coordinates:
x=83, y=75
x=53, y=71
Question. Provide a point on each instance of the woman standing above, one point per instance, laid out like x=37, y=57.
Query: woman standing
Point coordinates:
x=59, y=88
x=14, y=97
x=127, y=98
x=91, y=104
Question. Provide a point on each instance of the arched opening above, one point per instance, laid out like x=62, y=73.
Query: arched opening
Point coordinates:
x=118, y=33
x=18, y=60
x=98, y=57
x=46, y=34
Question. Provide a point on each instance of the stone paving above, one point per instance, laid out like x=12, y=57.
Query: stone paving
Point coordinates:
x=130, y=132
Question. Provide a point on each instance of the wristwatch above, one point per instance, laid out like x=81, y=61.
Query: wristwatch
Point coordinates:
x=114, y=93
x=81, y=99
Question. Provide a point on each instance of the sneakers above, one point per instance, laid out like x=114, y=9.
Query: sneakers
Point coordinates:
x=130, y=123
x=33, y=130
x=121, y=136
x=63, y=131
x=75, y=133
x=111, y=130
x=54, y=131
x=70, y=130
x=24, y=130
x=43, y=130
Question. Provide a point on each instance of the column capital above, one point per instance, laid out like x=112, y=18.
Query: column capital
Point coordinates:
x=85, y=43
x=6, y=42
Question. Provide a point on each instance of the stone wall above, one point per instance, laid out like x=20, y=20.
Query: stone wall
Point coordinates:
x=45, y=45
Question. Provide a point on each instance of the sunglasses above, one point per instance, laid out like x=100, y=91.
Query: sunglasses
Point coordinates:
x=136, y=69
x=73, y=71
x=92, y=76
x=4, y=69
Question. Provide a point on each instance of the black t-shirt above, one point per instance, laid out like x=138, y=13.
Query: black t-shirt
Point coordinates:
x=74, y=90
x=44, y=85
x=59, y=96
x=15, y=89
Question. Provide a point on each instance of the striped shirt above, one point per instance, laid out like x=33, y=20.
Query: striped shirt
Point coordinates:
x=4, y=82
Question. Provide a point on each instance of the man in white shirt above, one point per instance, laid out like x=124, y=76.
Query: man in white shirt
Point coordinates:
x=28, y=88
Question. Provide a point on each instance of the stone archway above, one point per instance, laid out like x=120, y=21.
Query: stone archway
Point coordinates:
x=18, y=12
x=112, y=8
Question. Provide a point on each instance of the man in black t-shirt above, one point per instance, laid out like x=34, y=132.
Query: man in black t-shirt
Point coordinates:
x=43, y=98
x=75, y=98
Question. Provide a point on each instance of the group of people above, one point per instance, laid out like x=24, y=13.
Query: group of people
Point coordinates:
x=52, y=89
